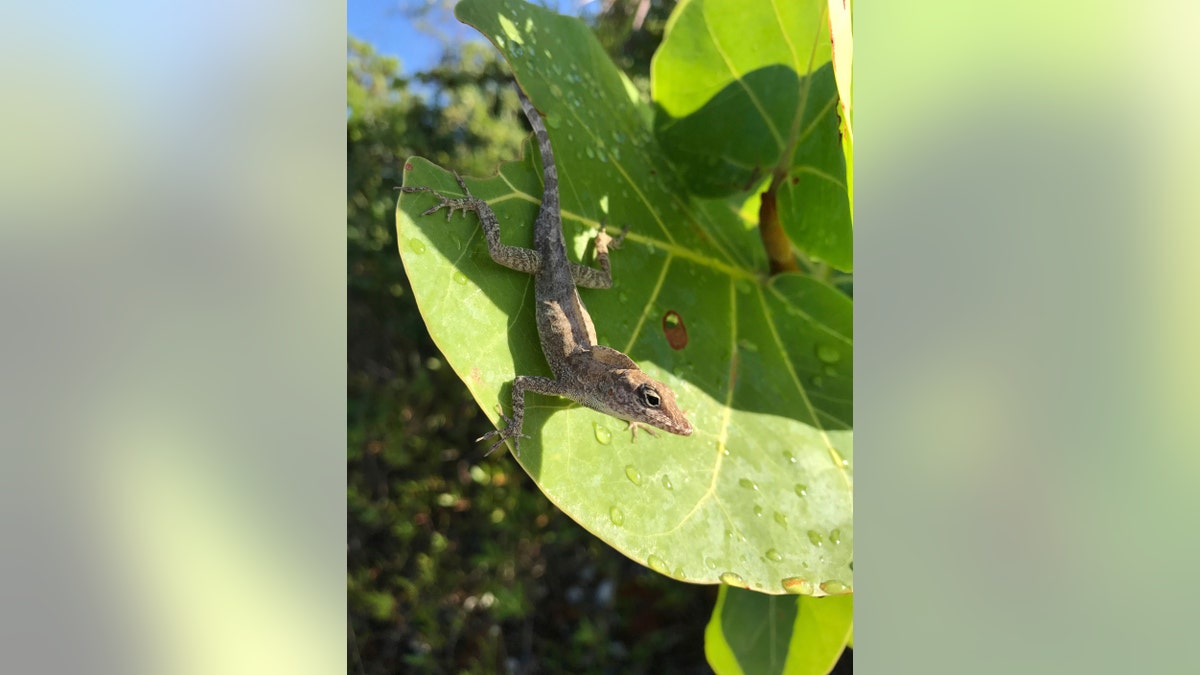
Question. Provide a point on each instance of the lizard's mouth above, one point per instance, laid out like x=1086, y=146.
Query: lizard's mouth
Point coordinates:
x=684, y=429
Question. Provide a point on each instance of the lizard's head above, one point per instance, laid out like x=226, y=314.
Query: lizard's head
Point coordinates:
x=634, y=396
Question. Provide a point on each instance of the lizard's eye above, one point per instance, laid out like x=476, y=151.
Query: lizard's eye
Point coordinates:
x=649, y=396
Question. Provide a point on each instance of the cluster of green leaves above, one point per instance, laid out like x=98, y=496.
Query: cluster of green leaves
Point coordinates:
x=745, y=97
x=455, y=561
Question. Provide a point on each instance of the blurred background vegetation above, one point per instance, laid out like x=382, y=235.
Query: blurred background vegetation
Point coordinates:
x=456, y=562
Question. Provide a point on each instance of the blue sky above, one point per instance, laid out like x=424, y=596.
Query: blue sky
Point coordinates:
x=383, y=24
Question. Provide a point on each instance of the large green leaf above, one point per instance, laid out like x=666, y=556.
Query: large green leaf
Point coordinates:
x=755, y=633
x=745, y=90
x=760, y=495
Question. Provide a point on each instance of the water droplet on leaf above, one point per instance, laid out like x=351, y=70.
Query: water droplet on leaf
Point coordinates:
x=828, y=353
x=797, y=586
x=617, y=516
x=603, y=435
x=633, y=474
x=834, y=587
x=731, y=579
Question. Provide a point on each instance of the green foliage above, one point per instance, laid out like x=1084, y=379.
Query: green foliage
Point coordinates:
x=766, y=65
x=455, y=563
x=763, y=635
x=760, y=495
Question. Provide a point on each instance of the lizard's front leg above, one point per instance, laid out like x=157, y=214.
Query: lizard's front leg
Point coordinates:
x=513, y=257
x=523, y=383
x=590, y=277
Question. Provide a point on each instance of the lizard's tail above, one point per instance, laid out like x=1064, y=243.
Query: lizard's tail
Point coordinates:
x=549, y=171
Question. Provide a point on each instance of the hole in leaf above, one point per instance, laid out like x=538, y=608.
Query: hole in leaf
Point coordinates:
x=674, y=329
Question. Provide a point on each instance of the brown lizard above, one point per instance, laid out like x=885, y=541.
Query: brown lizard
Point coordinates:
x=596, y=376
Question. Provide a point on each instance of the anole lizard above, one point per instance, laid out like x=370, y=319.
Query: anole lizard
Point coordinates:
x=596, y=376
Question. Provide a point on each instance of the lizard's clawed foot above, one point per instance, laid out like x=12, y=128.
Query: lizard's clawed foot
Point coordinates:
x=510, y=431
x=604, y=241
x=634, y=426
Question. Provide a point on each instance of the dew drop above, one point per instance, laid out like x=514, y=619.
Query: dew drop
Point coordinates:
x=789, y=456
x=748, y=345
x=781, y=519
x=603, y=435
x=710, y=563
x=678, y=573
x=742, y=286
x=835, y=587
x=731, y=579
x=633, y=474
x=416, y=246
x=830, y=371
x=797, y=586
x=460, y=278
x=828, y=353
x=658, y=564
x=774, y=556
x=817, y=381
x=835, y=537
x=666, y=482
x=556, y=90
x=617, y=516
x=814, y=537
x=747, y=483
x=590, y=153
x=758, y=510
x=801, y=490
